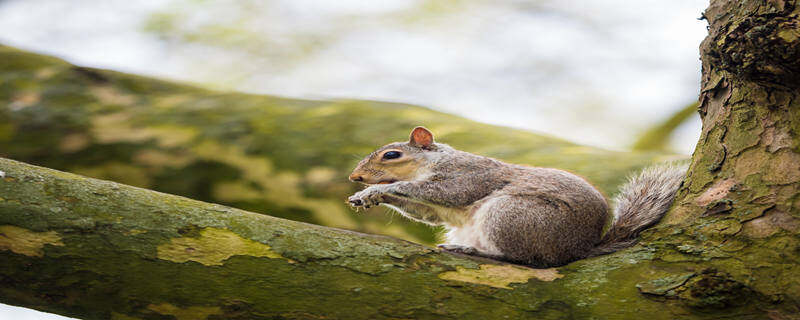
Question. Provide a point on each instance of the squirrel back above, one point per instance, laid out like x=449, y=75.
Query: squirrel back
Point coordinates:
x=535, y=216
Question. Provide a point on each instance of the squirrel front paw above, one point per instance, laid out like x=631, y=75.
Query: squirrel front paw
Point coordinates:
x=366, y=198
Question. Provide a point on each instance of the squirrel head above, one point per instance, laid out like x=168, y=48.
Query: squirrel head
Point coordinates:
x=399, y=161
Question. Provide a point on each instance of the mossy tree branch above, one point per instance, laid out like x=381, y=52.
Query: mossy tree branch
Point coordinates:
x=95, y=249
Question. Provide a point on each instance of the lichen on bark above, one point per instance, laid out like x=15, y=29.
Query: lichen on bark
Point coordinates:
x=23, y=241
x=737, y=215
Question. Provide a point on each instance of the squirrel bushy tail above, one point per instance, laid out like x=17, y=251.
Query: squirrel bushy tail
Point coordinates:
x=640, y=204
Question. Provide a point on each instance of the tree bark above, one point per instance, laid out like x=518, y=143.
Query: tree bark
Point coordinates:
x=95, y=249
x=736, y=217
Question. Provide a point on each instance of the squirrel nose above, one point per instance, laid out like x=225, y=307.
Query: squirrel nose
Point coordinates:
x=356, y=178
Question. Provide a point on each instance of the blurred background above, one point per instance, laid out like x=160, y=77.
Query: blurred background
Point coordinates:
x=594, y=72
x=601, y=74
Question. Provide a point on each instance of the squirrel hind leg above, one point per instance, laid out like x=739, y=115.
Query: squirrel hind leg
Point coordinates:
x=542, y=231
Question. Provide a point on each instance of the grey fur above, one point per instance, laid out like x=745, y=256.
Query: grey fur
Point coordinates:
x=641, y=202
x=535, y=216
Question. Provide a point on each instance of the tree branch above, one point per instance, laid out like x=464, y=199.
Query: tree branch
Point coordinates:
x=96, y=249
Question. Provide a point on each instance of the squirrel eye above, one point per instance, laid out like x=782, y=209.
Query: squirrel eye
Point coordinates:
x=392, y=155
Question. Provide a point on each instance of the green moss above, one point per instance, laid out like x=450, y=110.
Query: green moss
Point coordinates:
x=712, y=289
x=664, y=286
x=748, y=134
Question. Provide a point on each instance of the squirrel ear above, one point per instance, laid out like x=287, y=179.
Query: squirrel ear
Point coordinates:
x=421, y=137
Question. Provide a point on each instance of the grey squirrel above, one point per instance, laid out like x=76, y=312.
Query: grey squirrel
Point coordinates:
x=539, y=217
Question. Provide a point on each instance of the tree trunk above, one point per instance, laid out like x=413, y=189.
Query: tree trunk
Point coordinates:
x=736, y=218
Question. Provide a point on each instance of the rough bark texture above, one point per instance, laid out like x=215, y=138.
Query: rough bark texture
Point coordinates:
x=736, y=218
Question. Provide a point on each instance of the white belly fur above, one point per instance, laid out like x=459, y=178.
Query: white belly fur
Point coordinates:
x=471, y=234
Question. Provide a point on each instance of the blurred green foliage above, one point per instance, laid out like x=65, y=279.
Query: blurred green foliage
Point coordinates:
x=283, y=157
x=657, y=137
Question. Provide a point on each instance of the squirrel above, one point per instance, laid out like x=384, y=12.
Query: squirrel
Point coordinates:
x=540, y=217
